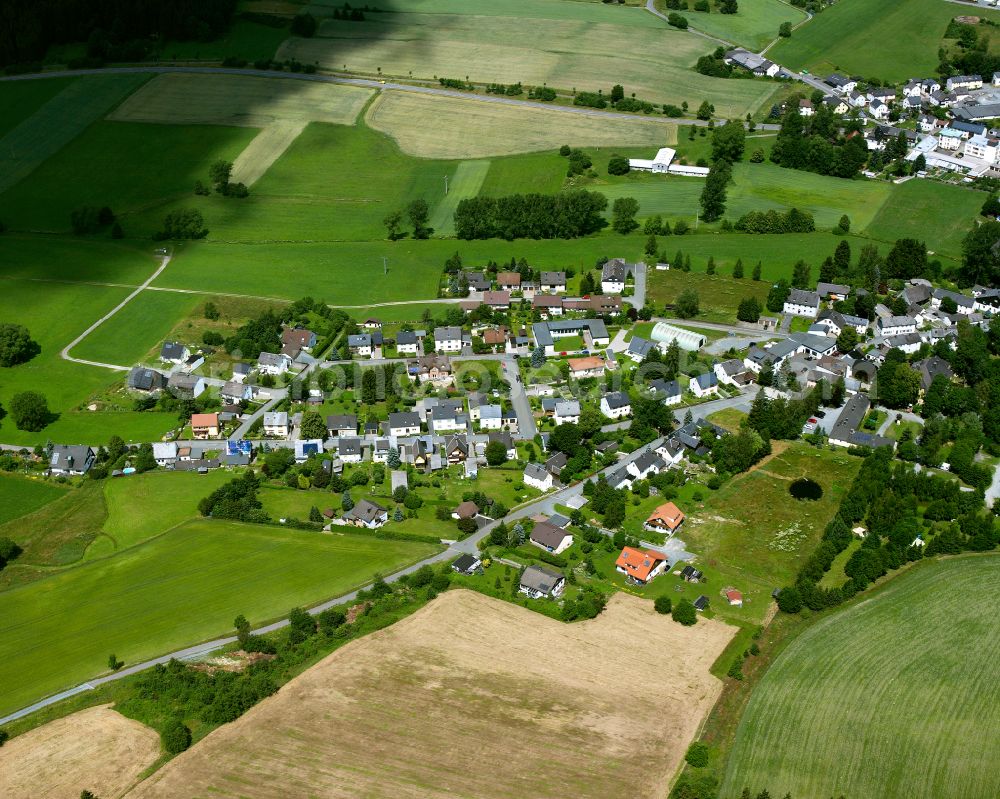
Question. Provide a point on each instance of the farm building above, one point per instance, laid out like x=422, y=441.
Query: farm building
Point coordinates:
x=662, y=164
x=664, y=334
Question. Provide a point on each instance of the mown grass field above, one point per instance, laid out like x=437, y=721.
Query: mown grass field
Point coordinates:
x=138, y=328
x=245, y=38
x=76, y=259
x=892, y=41
x=938, y=214
x=465, y=183
x=57, y=121
x=20, y=496
x=583, y=46
x=445, y=127
x=893, y=696
x=179, y=588
x=55, y=313
x=20, y=99
x=754, y=25
x=541, y=173
x=129, y=166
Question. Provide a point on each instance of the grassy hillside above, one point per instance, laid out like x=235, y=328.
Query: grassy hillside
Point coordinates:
x=754, y=25
x=893, y=41
x=20, y=496
x=893, y=696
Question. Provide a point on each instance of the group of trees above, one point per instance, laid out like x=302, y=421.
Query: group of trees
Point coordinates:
x=182, y=224
x=814, y=144
x=791, y=221
x=418, y=214
x=728, y=143
x=220, y=174
x=579, y=161
x=89, y=219
x=262, y=334
x=237, y=500
x=567, y=215
x=16, y=344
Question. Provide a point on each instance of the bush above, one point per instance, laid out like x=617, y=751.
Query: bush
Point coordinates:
x=663, y=604
x=618, y=165
x=789, y=600
x=182, y=224
x=4, y=737
x=176, y=736
x=697, y=755
x=684, y=613
x=677, y=21
x=412, y=501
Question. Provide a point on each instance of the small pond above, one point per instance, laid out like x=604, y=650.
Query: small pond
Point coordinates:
x=804, y=488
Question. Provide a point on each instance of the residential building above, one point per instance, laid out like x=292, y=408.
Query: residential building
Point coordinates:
x=553, y=282
x=184, y=386
x=71, y=460
x=349, y=450
x=497, y=300
x=466, y=510
x=342, y=424
x=273, y=363
x=504, y=437
x=833, y=291
x=407, y=343
x=509, y=280
x=174, y=352
x=591, y=366
x=361, y=344
x=466, y=564
x=640, y=566
x=846, y=430
x=490, y=417
x=145, y=380
x=298, y=337
x=704, y=385
x=567, y=411
x=964, y=304
x=241, y=371
x=550, y=538
x=963, y=82
x=366, y=513
x=276, y=424
x=605, y=304
x=548, y=305
x=448, y=339
x=802, y=303
x=406, y=423
x=734, y=597
x=639, y=348
x=731, y=372
x=435, y=369
x=538, y=583
x=671, y=451
x=930, y=368
x=806, y=108
x=895, y=326
x=204, y=425
x=448, y=416
x=614, y=274
x=755, y=64
x=536, y=476
x=233, y=392
x=165, y=453
x=616, y=405
x=593, y=331
x=649, y=463
x=667, y=518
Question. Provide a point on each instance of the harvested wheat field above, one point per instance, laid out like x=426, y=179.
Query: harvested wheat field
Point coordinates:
x=446, y=127
x=472, y=697
x=96, y=749
x=245, y=100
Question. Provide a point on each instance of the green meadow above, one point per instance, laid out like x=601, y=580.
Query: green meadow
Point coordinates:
x=185, y=586
x=892, y=696
x=93, y=259
x=754, y=25
x=20, y=496
x=20, y=99
x=891, y=41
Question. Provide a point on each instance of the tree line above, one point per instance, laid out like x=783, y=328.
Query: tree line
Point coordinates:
x=566, y=215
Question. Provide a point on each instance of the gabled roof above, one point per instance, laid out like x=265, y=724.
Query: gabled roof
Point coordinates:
x=668, y=514
x=553, y=278
x=365, y=510
x=204, y=420
x=617, y=399
x=536, y=471
x=406, y=337
x=638, y=563
x=668, y=388
x=173, y=351
x=342, y=421
x=548, y=535
x=447, y=333
x=801, y=297
x=706, y=380
x=539, y=579
x=404, y=419
x=640, y=346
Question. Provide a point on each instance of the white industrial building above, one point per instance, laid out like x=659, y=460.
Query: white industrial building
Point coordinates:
x=662, y=164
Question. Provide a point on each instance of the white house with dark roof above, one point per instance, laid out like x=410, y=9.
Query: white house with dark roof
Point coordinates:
x=536, y=476
x=276, y=424
x=667, y=391
x=366, y=513
x=895, y=326
x=71, y=460
x=448, y=339
x=550, y=538
x=566, y=411
x=273, y=363
x=342, y=424
x=616, y=405
x=963, y=82
x=638, y=348
x=704, y=385
x=964, y=304
x=553, y=282
x=802, y=303
x=405, y=423
x=539, y=583
x=174, y=352
x=614, y=274
x=407, y=343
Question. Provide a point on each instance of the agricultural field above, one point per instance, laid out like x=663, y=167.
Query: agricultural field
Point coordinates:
x=888, y=697
x=54, y=317
x=58, y=119
x=867, y=37
x=20, y=496
x=536, y=173
x=465, y=183
x=445, y=127
x=49, y=258
x=753, y=26
x=565, y=45
x=61, y=629
x=470, y=664
x=20, y=99
x=96, y=747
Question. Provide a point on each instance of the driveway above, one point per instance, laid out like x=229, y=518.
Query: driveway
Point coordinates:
x=519, y=400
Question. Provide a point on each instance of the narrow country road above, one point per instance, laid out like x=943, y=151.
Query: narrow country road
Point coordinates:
x=64, y=354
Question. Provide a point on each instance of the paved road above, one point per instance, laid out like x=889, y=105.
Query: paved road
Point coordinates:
x=993, y=492
x=526, y=428
x=740, y=328
x=470, y=545
x=890, y=418
x=741, y=402
x=64, y=354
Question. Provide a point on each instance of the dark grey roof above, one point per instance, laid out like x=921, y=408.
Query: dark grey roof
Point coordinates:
x=553, y=278
x=542, y=331
x=930, y=368
x=143, y=379
x=617, y=399
x=558, y=520
x=706, y=380
x=406, y=337
x=78, y=458
x=668, y=388
x=640, y=346
x=538, y=579
x=342, y=421
x=648, y=460
x=616, y=270
x=548, y=535
x=800, y=297
x=535, y=471
x=701, y=602
x=359, y=340
x=404, y=419
x=465, y=563
x=447, y=333
x=851, y=417
x=349, y=446
x=365, y=510
x=172, y=351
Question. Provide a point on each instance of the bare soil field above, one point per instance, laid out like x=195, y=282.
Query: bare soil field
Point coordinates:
x=95, y=749
x=473, y=697
x=444, y=127
x=247, y=101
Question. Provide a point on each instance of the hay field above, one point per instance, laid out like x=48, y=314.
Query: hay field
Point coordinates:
x=473, y=697
x=444, y=127
x=58, y=121
x=466, y=182
x=266, y=148
x=248, y=101
x=896, y=696
x=565, y=45
x=95, y=749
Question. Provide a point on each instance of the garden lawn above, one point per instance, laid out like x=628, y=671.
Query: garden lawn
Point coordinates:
x=20, y=99
x=936, y=213
x=56, y=123
x=754, y=25
x=20, y=496
x=892, y=696
x=138, y=329
x=54, y=316
x=871, y=38
x=585, y=46
x=173, y=591
x=291, y=503
x=134, y=168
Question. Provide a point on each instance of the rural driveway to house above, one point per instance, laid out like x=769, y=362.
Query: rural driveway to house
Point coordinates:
x=470, y=545
x=65, y=350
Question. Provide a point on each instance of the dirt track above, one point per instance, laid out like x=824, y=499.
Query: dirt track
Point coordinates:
x=473, y=697
x=96, y=749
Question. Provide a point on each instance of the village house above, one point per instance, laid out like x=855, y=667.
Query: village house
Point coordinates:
x=298, y=337
x=204, y=425
x=505, y=438
x=466, y=510
x=550, y=538
x=895, y=326
x=448, y=339
x=490, y=417
x=667, y=518
x=548, y=305
x=667, y=391
x=640, y=566
x=841, y=84
x=174, y=352
x=74, y=461
x=536, y=476
x=755, y=64
x=496, y=300
x=616, y=405
x=639, y=348
x=435, y=369
x=145, y=380
x=567, y=411
x=552, y=282
x=704, y=385
x=538, y=583
x=614, y=274
x=734, y=597
x=272, y=363
x=671, y=452
x=185, y=386
x=806, y=108
x=846, y=430
x=963, y=82
x=406, y=423
x=732, y=372
x=833, y=291
x=448, y=416
x=466, y=564
x=361, y=344
x=276, y=424
x=591, y=366
x=366, y=513
x=349, y=450
x=802, y=303
x=964, y=304
x=165, y=453
x=646, y=464
x=342, y=424
x=929, y=368
x=509, y=280
x=234, y=392
x=241, y=371
x=407, y=343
